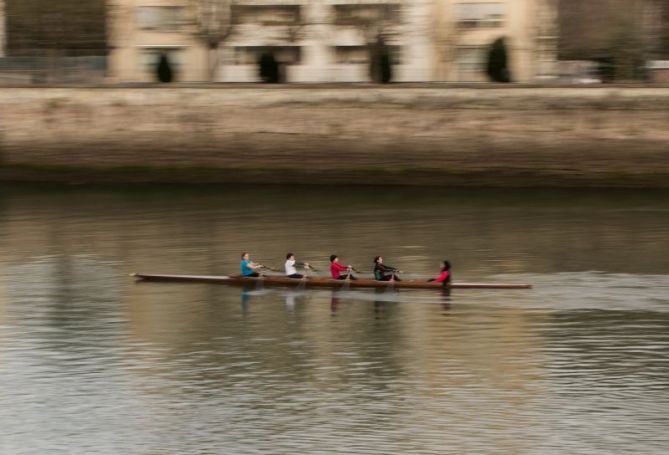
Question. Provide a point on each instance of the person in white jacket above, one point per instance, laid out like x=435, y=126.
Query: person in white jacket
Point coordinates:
x=292, y=265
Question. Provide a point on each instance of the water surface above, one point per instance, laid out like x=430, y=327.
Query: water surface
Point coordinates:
x=91, y=362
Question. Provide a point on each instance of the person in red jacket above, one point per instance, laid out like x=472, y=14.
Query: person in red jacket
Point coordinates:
x=445, y=275
x=336, y=269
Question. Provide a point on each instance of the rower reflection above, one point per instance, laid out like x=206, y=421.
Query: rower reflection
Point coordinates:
x=334, y=301
x=445, y=296
x=251, y=290
x=246, y=298
x=293, y=298
x=382, y=297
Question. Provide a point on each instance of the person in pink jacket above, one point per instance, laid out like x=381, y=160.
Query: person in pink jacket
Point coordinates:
x=445, y=275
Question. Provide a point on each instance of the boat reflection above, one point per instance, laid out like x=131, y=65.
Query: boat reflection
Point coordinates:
x=380, y=298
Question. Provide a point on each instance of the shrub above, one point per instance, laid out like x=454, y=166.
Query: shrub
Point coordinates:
x=386, y=67
x=497, y=68
x=269, y=68
x=380, y=62
x=164, y=69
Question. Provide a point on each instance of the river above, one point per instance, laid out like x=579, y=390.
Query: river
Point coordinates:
x=92, y=362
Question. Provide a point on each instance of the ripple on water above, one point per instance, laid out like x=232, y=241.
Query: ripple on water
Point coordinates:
x=91, y=363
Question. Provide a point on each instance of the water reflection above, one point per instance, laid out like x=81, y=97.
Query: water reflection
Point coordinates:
x=508, y=232
x=92, y=362
x=295, y=297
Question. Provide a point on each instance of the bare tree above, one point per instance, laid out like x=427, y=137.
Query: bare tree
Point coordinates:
x=663, y=43
x=608, y=31
x=46, y=35
x=214, y=23
x=2, y=28
x=655, y=23
x=377, y=23
x=67, y=27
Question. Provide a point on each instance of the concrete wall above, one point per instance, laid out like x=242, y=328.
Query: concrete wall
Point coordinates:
x=399, y=134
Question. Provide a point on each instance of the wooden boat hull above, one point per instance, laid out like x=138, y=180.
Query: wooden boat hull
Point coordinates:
x=321, y=282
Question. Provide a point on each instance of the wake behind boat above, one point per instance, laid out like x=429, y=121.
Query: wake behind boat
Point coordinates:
x=321, y=282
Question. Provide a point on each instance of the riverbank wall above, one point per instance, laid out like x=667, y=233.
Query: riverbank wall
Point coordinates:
x=589, y=137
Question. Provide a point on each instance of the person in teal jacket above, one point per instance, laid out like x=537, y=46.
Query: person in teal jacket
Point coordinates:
x=249, y=267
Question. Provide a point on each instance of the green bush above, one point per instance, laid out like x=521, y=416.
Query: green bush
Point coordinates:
x=380, y=62
x=497, y=68
x=386, y=67
x=164, y=69
x=269, y=68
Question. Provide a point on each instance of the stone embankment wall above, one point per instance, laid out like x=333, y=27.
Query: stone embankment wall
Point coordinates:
x=617, y=137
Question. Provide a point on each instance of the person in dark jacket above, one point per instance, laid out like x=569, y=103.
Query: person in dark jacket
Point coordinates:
x=384, y=272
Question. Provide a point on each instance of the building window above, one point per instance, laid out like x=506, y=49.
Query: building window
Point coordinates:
x=471, y=63
x=348, y=55
x=357, y=14
x=267, y=14
x=161, y=18
x=250, y=55
x=480, y=15
x=351, y=55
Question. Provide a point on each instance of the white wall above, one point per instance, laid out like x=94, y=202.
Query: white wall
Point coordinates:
x=319, y=36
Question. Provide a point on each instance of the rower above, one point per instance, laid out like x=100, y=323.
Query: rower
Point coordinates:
x=249, y=267
x=336, y=269
x=445, y=275
x=384, y=272
x=291, y=266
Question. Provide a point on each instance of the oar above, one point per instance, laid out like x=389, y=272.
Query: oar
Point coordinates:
x=306, y=266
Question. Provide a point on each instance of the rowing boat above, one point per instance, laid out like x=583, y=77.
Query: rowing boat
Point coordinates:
x=321, y=282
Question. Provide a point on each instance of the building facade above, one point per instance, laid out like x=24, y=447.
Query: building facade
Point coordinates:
x=330, y=40
x=465, y=30
x=140, y=31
